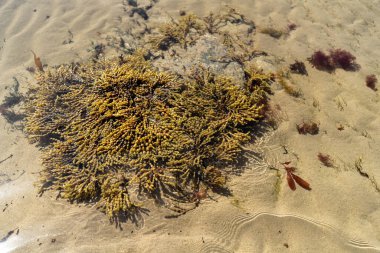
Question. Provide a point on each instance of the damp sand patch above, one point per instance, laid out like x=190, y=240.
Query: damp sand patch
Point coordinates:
x=121, y=131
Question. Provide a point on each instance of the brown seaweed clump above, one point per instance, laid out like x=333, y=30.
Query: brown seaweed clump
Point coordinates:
x=292, y=26
x=298, y=68
x=190, y=27
x=309, y=127
x=181, y=32
x=111, y=131
x=325, y=159
x=371, y=82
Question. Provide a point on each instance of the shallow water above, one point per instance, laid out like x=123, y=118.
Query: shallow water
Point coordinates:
x=340, y=214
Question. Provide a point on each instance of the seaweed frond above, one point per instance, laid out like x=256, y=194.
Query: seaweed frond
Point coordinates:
x=326, y=160
x=283, y=79
x=309, y=127
x=112, y=130
x=190, y=27
x=181, y=32
x=343, y=59
x=371, y=82
x=298, y=67
x=322, y=61
x=337, y=58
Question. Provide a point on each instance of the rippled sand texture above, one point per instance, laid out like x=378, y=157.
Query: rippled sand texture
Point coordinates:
x=340, y=214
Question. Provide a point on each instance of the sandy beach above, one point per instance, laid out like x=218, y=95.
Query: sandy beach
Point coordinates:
x=340, y=214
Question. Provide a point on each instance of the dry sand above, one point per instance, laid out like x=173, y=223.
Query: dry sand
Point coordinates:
x=340, y=214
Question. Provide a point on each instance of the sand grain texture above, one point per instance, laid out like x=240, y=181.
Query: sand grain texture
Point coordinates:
x=340, y=214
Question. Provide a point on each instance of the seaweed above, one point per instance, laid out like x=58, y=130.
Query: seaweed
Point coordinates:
x=371, y=82
x=344, y=59
x=274, y=115
x=3, y=160
x=337, y=58
x=69, y=40
x=178, y=32
x=282, y=79
x=132, y=3
x=98, y=50
x=37, y=62
x=189, y=27
x=326, y=160
x=293, y=178
x=322, y=61
x=113, y=130
x=298, y=68
x=214, y=22
x=340, y=126
x=292, y=26
x=359, y=168
x=308, y=128
x=140, y=11
x=30, y=69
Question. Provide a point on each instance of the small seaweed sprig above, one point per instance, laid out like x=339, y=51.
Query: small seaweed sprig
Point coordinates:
x=293, y=179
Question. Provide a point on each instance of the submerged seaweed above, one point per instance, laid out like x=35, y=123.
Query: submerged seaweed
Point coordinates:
x=115, y=130
x=181, y=32
x=371, y=82
x=190, y=27
x=298, y=67
x=321, y=61
x=343, y=59
x=338, y=58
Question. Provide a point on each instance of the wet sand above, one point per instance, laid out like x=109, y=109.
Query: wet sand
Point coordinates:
x=340, y=214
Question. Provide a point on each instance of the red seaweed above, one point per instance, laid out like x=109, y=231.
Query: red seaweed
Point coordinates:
x=337, y=58
x=371, y=82
x=321, y=61
x=308, y=128
x=292, y=178
x=291, y=183
x=301, y=182
x=343, y=59
x=292, y=26
x=326, y=160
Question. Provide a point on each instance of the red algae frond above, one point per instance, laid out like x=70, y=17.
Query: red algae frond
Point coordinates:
x=343, y=59
x=325, y=159
x=371, y=82
x=321, y=61
x=308, y=128
x=338, y=58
